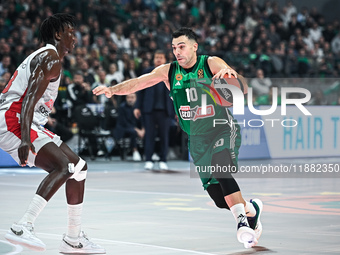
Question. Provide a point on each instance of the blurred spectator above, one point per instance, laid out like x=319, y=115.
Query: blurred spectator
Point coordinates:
x=18, y=55
x=88, y=77
x=318, y=98
x=101, y=99
x=58, y=128
x=128, y=126
x=130, y=72
x=155, y=107
x=2, y=84
x=119, y=39
x=336, y=44
x=79, y=92
x=114, y=74
x=5, y=64
x=303, y=63
x=294, y=24
x=303, y=15
x=273, y=36
x=291, y=65
x=267, y=99
x=329, y=32
x=277, y=61
x=6, y=76
x=315, y=32
x=291, y=9
x=260, y=84
x=113, y=58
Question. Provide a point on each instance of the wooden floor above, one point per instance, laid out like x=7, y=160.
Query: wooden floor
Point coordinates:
x=133, y=212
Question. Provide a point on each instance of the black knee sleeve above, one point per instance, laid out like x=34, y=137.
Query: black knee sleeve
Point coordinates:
x=226, y=180
x=216, y=194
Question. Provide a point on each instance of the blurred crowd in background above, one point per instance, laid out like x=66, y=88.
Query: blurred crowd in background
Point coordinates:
x=116, y=40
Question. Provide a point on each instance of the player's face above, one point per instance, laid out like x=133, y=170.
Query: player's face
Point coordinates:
x=159, y=59
x=131, y=99
x=68, y=38
x=184, y=51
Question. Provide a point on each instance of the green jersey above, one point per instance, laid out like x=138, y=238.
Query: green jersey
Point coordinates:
x=194, y=104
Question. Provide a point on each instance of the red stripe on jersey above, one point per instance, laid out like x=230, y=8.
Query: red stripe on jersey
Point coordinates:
x=12, y=120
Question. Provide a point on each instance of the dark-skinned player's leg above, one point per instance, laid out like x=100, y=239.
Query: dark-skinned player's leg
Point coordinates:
x=55, y=160
x=52, y=159
x=74, y=239
x=57, y=166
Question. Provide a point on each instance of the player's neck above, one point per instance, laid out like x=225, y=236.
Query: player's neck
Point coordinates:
x=191, y=63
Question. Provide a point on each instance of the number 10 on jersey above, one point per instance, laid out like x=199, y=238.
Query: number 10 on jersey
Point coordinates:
x=193, y=97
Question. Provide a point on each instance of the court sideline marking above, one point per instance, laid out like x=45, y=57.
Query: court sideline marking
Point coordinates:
x=108, y=190
x=17, y=250
x=57, y=237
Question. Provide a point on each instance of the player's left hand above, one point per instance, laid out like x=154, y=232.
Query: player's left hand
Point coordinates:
x=102, y=90
x=23, y=151
x=225, y=71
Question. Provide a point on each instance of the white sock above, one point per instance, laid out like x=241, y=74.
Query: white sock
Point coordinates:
x=250, y=209
x=239, y=213
x=37, y=204
x=74, y=220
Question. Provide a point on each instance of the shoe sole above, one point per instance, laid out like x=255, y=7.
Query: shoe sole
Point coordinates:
x=18, y=241
x=258, y=231
x=79, y=252
x=246, y=236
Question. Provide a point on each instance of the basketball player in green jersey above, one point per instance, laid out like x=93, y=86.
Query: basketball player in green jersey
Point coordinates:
x=186, y=79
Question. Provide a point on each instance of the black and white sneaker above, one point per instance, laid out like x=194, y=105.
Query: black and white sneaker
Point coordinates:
x=23, y=234
x=81, y=245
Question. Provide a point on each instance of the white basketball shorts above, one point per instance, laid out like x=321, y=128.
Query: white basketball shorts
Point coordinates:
x=10, y=136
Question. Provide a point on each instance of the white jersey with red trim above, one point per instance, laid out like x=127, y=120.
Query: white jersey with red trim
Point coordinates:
x=14, y=93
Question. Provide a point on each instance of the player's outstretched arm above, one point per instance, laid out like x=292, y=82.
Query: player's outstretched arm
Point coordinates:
x=159, y=74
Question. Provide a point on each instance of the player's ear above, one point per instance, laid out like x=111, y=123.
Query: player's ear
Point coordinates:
x=57, y=35
x=195, y=45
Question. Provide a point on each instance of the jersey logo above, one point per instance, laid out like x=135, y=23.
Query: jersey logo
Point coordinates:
x=49, y=104
x=219, y=143
x=194, y=114
x=178, y=84
x=18, y=233
x=179, y=77
x=200, y=74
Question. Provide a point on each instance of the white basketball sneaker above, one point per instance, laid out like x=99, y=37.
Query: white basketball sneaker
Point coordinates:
x=23, y=234
x=81, y=245
x=245, y=234
x=254, y=222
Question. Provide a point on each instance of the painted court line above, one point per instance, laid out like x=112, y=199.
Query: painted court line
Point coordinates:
x=107, y=190
x=17, y=250
x=57, y=237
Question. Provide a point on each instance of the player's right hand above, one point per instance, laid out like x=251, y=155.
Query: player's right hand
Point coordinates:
x=23, y=151
x=102, y=90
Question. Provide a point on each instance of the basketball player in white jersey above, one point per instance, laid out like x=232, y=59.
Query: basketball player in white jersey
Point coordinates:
x=25, y=104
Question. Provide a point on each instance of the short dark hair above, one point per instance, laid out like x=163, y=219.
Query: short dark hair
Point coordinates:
x=55, y=23
x=188, y=32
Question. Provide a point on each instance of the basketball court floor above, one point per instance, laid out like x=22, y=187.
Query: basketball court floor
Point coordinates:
x=130, y=211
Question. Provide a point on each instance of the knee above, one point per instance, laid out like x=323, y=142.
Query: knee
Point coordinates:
x=79, y=171
x=221, y=204
x=63, y=170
